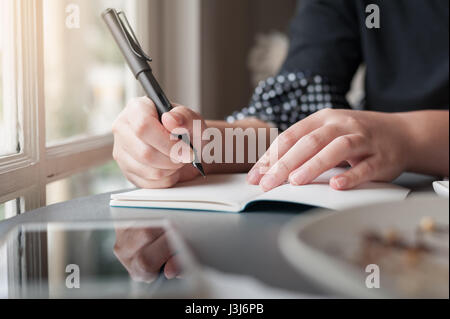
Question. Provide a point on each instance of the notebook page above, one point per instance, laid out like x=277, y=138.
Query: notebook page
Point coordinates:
x=232, y=190
x=320, y=194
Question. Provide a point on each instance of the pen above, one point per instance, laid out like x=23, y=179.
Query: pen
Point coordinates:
x=138, y=61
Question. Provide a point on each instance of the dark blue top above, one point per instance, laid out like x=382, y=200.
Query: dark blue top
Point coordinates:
x=407, y=60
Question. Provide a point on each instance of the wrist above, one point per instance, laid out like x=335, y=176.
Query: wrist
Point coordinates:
x=408, y=143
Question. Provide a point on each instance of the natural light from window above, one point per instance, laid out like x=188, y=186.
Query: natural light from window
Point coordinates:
x=1, y=81
x=8, y=109
x=86, y=87
x=85, y=77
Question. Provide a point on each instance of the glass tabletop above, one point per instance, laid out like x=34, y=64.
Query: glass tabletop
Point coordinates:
x=146, y=259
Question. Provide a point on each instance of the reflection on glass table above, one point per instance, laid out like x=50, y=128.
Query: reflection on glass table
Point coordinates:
x=97, y=260
x=10, y=208
x=146, y=254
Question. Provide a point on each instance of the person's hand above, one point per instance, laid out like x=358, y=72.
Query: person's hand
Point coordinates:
x=375, y=145
x=144, y=147
x=143, y=252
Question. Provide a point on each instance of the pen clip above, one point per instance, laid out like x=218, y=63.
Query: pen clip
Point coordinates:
x=127, y=29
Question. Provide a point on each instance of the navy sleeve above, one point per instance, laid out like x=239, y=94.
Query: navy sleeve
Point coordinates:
x=323, y=57
x=325, y=39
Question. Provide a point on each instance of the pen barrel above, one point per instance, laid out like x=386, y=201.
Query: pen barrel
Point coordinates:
x=154, y=92
x=138, y=64
x=123, y=40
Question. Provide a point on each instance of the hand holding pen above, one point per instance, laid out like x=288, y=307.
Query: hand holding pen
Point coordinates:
x=143, y=145
x=138, y=61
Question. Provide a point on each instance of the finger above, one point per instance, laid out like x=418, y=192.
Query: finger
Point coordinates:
x=166, y=182
x=142, y=152
x=132, y=240
x=143, y=119
x=138, y=274
x=182, y=121
x=146, y=172
x=171, y=269
x=340, y=149
x=280, y=146
x=152, y=257
x=181, y=117
x=306, y=147
x=363, y=172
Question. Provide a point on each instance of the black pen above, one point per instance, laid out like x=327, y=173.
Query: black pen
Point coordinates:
x=138, y=62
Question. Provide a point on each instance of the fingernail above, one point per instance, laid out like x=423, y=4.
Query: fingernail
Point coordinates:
x=268, y=182
x=298, y=178
x=170, y=274
x=253, y=176
x=293, y=181
x=264, y=160
x=340, y=182
x=263, y=169
x=177, y=118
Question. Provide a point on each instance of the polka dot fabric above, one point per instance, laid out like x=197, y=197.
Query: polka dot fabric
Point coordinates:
x=290, y=97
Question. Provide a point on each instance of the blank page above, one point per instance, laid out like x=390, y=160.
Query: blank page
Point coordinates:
x=232, y=193
x=320, y=194
x=229, y=189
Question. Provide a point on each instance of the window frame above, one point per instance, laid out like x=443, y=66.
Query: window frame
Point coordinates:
x=25, y=175
x=21, y=171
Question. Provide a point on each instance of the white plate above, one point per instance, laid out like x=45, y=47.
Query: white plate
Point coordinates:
x=441, y=188
x=321, y=247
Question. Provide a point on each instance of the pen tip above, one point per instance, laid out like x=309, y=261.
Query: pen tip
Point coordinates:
x=199, y=166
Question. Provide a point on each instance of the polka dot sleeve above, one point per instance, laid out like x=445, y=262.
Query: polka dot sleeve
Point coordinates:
x=290, y=97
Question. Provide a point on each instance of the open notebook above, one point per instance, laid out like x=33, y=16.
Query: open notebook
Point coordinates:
x=231, y=193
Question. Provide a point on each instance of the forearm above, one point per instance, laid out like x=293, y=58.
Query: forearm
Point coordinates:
x=428, y=134
x=229, y=144
x=426, y=138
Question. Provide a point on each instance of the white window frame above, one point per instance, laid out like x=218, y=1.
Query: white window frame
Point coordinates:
x=26, y=175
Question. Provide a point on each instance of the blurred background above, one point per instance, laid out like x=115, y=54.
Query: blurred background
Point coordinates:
x=208, y=55
x=85, y=88
x=210, y=61
x=241, y=42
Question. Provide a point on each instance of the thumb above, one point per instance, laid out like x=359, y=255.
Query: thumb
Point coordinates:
x=181, y=120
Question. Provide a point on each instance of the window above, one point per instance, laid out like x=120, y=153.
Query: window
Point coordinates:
x=4, y=149
x=61, y=85
x=8, y=109
x=87, y=96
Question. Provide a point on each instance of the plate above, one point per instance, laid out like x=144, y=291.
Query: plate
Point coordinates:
x=390, y=250
x=441, y=188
